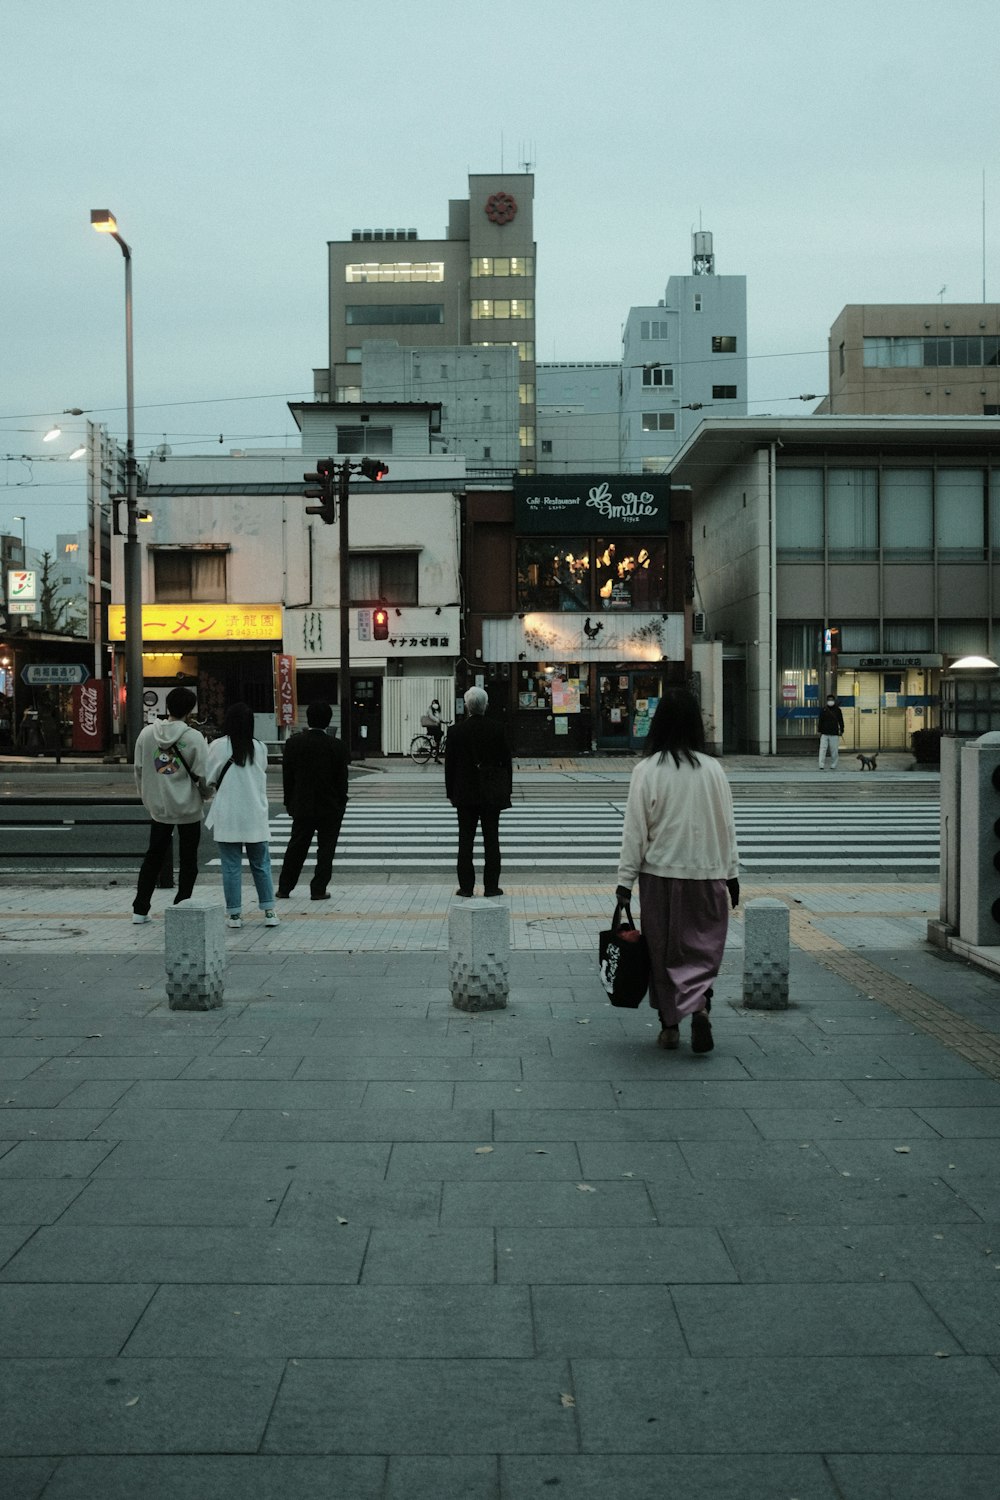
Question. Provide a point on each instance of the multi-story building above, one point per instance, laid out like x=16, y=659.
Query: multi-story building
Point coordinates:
x=853, y=554
x=476, y=286
x=681, y=358
x=931, y=359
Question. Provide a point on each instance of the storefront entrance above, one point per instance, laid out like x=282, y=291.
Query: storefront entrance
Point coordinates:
x=883, y=708
x=366, y=716
x=628, y=701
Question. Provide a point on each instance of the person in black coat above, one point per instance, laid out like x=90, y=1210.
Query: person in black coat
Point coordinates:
x=478, y=777
x=314, y=777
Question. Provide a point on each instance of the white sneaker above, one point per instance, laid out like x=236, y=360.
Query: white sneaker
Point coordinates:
x=138, y=917
x=271, y=919
x=235, y=920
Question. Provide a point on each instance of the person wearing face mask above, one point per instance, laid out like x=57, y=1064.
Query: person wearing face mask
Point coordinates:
x=831, y=727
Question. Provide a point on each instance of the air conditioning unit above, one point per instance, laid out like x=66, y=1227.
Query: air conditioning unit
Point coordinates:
x=699, y=623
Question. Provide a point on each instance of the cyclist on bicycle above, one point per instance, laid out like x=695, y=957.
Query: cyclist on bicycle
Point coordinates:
x=434, y=725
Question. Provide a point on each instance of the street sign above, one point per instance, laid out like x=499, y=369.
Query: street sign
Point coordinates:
x=20, y=608
x=54, y=673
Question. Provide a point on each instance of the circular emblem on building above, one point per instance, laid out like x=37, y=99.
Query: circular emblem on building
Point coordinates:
x=500, y=208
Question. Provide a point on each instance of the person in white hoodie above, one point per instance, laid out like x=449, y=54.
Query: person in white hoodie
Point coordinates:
x=238, y=815
x=679, y=838
x=170, y=760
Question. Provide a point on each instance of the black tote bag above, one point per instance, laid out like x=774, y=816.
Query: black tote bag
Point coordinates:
x=624, y=960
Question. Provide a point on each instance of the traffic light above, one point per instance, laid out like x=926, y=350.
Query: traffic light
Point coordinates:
x=322, y=487
x=373, y=468
x=380, y=624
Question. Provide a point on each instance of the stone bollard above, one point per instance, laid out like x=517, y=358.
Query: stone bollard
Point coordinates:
x=765, y=954
x=479, y=953
x=195, y=955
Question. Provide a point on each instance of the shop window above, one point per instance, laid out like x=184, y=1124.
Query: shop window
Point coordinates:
x=553, y=574
x=383, y=577
x=632, y=573
x=800, y=515
x=960, y=513
x=181, y=576
x=852, y=514
x=907, y=508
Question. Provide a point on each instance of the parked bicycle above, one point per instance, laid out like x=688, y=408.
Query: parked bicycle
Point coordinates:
x=422, y=745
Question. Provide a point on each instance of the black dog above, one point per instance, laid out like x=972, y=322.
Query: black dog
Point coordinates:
x=868, y=762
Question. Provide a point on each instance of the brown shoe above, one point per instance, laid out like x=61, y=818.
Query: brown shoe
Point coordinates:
x=669, y=1038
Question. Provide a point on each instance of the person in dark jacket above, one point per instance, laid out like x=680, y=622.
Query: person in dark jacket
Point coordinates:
x=831, y=727
x=314, y=777
x=478, y=777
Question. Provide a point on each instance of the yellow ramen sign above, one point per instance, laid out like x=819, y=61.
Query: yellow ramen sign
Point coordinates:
x=201, y=622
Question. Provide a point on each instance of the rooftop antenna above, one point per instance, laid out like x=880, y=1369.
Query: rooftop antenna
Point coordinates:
x=527, y=163
x=941, y=293
x=984, y=234
x=501, y=151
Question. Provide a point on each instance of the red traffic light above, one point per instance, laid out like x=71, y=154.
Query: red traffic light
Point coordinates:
x=380, y=624
x=373, y=468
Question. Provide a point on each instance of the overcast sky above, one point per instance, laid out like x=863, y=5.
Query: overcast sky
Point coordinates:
x=835, y=150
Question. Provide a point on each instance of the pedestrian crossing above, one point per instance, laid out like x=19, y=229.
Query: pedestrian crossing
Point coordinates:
x=585, y=836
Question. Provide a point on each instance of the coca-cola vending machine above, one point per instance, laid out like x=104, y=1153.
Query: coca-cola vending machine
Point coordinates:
x=90, y=715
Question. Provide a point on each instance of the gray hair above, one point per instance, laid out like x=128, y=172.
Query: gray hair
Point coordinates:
x=476, y=700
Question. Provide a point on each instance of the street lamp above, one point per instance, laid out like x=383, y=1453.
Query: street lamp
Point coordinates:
x=24, y=540
x=104, y=221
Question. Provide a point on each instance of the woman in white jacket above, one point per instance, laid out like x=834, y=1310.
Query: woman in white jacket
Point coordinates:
x=238, y=814
x=679, y=838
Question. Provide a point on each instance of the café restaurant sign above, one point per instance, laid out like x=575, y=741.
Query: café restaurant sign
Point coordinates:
x=591, y=504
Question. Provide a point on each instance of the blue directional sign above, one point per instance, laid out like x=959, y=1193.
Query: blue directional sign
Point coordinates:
x=54, y=673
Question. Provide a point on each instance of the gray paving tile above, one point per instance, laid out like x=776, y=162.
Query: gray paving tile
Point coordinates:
x=809, y=1320
x=548, y=1095
x=474, y=1161
x=924, y=1157
x=606, y=1322
x=247, y=1066
x=313, y=1322
x=831, y=1199
x=182, y=1406
x=29, y=1044
x=33, y=1093
x=611, y=1255
x=215, y=1477
x=633, y=1160
x=49, y=1124
x=470, y=1476
x=980, y=1122
x=60, y=1322
x=886, y=1476
x=320, y=1206
x=750, y=1095
x=78, y=1069
x=363, y=1125
x=250, y=1158
x=14, y=1068
x=412, y=1069
x=132, y=1123
x=194, y=1095
x=889, y=1405
x=969, y=1308
x=678, y=1476
x=848, y=1120
x=776, y=1160
x=190, y=1253
x=97, y=1093
x=415, y=1095
x=178, y=1200
x=622, y=1125
x=422, y=1406
x=24, y=1478
x=383, y=1043
x=27, y=1201
x=403, y=1256
x=863, y=1252
x=927, y=1093
x=559, y=1204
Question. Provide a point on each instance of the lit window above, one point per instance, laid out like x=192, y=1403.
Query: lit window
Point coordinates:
x=503, y=265
x=526, y=436
x=526, y=392
x=189, y=577
x=503, y=307
x=395, y=270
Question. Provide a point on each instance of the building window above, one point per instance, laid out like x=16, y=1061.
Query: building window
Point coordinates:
x=723, y=343
x=631, y=573
x=387, y=313
x=553, y=574
x=852, y=515
x=487, y=451
x=654, y=465
x=351, y=393
x=503, y=265
x=960, y=513
x=383, y=577
x=352, y=355
x=697, y=302
x=189, y=577
x=657, y=375
x=364, y=439
x=991, y=409
x=526, y=436
x=723, y=393
x=395, y=270
x=800, y=514
x=913, y=352
x=503, y=307
x=653, y=328
x=547, y=445
x=526, y=392
x=658, y=421
x=907, y=515
x=843, y=358
x=525, y=351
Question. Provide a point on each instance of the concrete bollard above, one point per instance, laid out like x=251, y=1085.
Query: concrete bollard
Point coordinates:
x=195, y=955
x=479, y=953
x=765, y=954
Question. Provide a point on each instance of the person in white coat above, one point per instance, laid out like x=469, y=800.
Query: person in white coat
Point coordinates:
x=238, y=813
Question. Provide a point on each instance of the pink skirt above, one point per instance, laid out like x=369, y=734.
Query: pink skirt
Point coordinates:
x=685, y=924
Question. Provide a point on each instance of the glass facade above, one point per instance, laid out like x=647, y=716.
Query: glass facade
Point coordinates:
x=584, y=573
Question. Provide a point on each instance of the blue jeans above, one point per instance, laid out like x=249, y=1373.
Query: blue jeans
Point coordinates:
x=231, y=856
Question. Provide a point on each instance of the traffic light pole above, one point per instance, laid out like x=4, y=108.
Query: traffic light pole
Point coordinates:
x=346, y=695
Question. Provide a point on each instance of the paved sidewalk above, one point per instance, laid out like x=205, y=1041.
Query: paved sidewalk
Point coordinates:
x=340, y=1239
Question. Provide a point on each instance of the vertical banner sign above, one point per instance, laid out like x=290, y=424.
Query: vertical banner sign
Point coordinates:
x=90, y=715
x=285, y=697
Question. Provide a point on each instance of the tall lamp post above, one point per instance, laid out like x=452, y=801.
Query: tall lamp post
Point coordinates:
x=104, y=221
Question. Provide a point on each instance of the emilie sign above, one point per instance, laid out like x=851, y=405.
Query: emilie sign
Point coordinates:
x=591, y=504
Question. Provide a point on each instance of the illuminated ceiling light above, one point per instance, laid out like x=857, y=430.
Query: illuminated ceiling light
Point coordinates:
x=52, y=434
x=79, y=452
